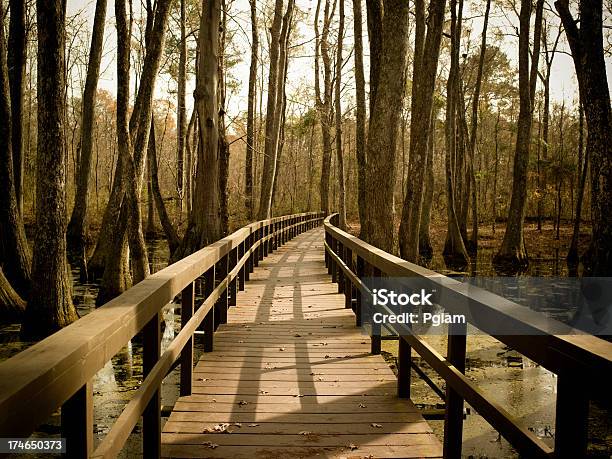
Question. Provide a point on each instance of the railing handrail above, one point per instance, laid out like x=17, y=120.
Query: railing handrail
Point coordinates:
x=587, y=349
x=36, y=381
x=582, y=362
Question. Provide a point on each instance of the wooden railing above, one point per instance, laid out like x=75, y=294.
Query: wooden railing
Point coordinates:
x=582, y=362
x=58, y=371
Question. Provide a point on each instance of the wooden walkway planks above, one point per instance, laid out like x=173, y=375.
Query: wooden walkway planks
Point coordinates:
x=291, y=376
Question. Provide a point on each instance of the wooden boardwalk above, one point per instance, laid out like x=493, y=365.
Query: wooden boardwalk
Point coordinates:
x=291, y=376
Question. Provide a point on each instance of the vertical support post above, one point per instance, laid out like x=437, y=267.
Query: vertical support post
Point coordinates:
x=77, y=422
x=453, y=417
x=209, y=320
x=572, y=416
x=340, y=253
x=360, y=273
x=221, y=304
x=375, y=341
x=404, y=359
x=260, y=249
x=151, y=417
x=243, y=276
x=348, y=285
x=232, y=260
x=187, y=304
x=332, y=262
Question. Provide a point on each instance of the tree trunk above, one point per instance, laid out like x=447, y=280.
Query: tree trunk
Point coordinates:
x=14, y=250
x=77, y=227
x=454, y=251
x=586, y=44
x=375, y=14
x=338, y=113
x=324, y=104
x=224, y=150
x=252, y=97
x=169, y=231
x=512, y=255
x=384, y=126
x=205, y=222
x=50, y=305
x=572, y=253
x=474, y=127
x=189, y=147
x=360, y=126
x=17, y=56
x=425, y=248
x=272, y=109
x=12, y=306
x=427, y=52
x=181, y=121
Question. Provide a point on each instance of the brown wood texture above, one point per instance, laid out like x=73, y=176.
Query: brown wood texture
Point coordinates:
x=291, y=376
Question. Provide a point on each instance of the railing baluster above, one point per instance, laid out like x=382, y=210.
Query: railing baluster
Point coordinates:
x=340, y=253
x=375, y=341
x=404, y=358
x=151, y=417
x=77, y=422
x=360, y=273
x=232, y=261
x=453, y=418
x=348, y=284
x=571, y=423
x=260, y=249
x=243, y=276
x=221, y=303
x=209, y=319
x=187, y=304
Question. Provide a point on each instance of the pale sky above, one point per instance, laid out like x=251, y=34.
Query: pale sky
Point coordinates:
x=300, y=74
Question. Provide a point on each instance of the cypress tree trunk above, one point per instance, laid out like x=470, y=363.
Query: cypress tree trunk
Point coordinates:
x=50, y=305
x=14, y=250
x=12, y=306
x=205, y=222
x=271, y=142
x=181, y=121
x=360, y=126
x=427, y=52
x=250, y=139
x=384, y=126
x=17, y=56
x=77, y=227
x=512, y=255
x=586, y=44
x=338, y=113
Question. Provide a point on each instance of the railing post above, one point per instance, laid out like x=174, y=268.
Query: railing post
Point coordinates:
x=332, y=261
x=221, y=304
x=327, y=238
x=151, y=417
x=572, y=412
x=232, y=261
x=360, y=270
x=187, y=304
x=260, y=249
x=375, y=341
x=243, y=270
x=348, y=285
x=453, y=418
x=209, y=319
x=340, y=253
x=275, y=236
x=404, y=360
x=249, y=262
x=77, y=422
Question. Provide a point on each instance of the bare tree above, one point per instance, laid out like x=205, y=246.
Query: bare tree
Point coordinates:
x=181, y=119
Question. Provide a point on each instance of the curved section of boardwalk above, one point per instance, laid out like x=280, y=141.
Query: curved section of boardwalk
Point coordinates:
x=291, y=376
